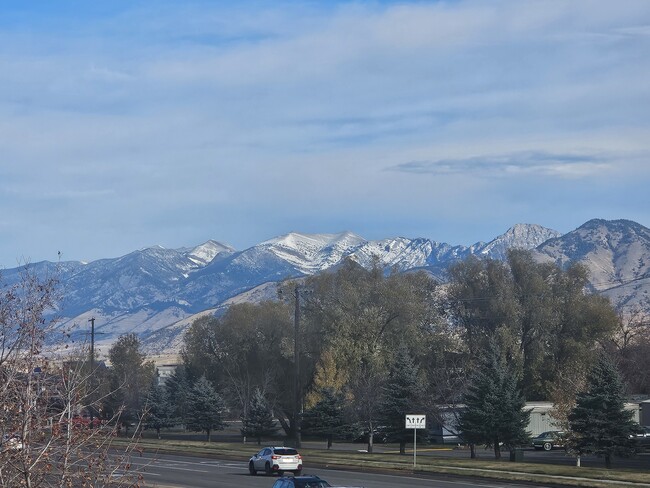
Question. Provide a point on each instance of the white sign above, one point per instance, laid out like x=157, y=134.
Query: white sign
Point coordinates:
x=416, y=421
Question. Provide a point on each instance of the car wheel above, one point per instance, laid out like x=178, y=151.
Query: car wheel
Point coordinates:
x=251, y=469
x=267, y=469
x=548, y=446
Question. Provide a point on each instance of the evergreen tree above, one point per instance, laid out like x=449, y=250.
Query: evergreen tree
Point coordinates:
x=158, y=410
x=257, y=421
x=205, y=408
x=599, y=422
x=326, y=417
x=494, y=412
x=401, y=396
x=178, y=389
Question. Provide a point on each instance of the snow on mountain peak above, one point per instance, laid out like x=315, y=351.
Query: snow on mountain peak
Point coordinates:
x=299, y=239
x=524, y=236
x=311, y=253
x=399, y=252
x=207, y=251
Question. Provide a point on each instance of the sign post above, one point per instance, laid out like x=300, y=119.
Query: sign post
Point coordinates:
x=415, y=422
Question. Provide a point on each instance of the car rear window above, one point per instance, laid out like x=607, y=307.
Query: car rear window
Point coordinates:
x=285, y=452
x=311, y=484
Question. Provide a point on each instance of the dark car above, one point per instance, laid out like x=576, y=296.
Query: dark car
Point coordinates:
x=11, y=442
x=306, y=481
x=301, y=482
x=549, y=440
x=380, y=436
x=643, y=437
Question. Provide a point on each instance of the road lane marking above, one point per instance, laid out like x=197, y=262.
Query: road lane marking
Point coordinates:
x=477, y=482
x=162, y=466
x=410, y=451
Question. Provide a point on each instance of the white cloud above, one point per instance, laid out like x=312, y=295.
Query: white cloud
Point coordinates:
x=232, y=114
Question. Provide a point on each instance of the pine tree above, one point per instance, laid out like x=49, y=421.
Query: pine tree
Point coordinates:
x=401, y=396
x=326, y=417
x=205, y=408
x=494, y=412
x=257, y=422
x=599, y=422
x=159, y=412
x=178, y=389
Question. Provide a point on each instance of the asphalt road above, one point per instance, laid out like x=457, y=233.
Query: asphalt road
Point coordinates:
x=171, y=471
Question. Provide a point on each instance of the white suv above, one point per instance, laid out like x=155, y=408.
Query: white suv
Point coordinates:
x=276, y=460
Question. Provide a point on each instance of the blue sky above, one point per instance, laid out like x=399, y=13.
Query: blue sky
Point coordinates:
x=130, y=124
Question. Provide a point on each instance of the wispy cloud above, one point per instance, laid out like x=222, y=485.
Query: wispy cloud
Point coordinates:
x=515, y=164
x=220, y=116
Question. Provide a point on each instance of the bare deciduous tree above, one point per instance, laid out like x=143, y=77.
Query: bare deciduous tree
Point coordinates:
x=45, y=393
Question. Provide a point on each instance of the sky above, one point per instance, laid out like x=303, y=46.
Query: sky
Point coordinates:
x=125, y=125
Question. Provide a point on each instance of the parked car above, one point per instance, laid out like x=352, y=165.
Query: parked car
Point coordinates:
x=79, y=421
x=643, y=437
x=549, y=440
x=276, y=460
x=380, y=436
x=11, y=442
x=304, y=482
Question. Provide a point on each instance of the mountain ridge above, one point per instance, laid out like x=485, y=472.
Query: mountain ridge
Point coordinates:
x=617, y=254
x=153, y=290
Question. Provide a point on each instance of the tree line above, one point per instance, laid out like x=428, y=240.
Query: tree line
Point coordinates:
x=374, y=346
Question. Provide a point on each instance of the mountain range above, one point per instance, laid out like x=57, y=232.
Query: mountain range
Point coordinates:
x=156, y=292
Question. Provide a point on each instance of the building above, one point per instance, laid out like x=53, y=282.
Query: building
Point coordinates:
x=163, y=372
x=445, y=431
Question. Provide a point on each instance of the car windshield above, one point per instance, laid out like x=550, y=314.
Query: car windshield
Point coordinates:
x=286, y=452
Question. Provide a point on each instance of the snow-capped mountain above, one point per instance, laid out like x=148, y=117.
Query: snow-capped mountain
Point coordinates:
x=399, y=252
x=312, y=253
x=403, y=254
x=156, y=292
x=526, y=236
x=617, y=255
x=208, y=251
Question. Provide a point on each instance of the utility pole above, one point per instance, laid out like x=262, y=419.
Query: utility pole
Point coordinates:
x=92, y=343
x=296, y=360
x=92, y=367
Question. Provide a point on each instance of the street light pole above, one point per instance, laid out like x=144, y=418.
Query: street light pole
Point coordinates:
x=296, y=359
